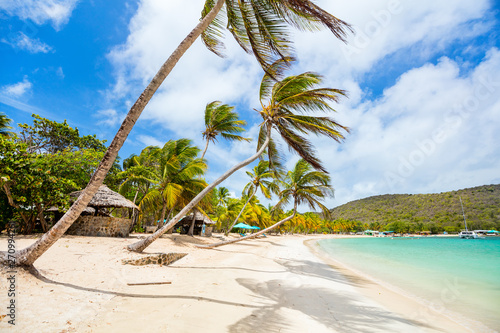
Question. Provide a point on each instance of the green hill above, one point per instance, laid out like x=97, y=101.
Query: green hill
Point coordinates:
x=436, y=212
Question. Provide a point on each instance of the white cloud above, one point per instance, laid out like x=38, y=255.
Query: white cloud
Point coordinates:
x=148, y=140
x=60, y=72
x=433, y=131
x=109, y=117
x=17, y=89
x=41, y=11
x=385, y=130
x=23, y=42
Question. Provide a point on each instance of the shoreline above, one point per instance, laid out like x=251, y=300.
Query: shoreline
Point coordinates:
x=395, y=298
x=272, y=284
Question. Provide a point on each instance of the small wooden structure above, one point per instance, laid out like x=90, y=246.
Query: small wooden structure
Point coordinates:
x=200, y=221
x=97, y=218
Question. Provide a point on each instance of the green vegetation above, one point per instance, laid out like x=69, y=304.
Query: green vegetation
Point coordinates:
x=220, y=119
x=41, y=167
x=426, y=212
x=260, y=29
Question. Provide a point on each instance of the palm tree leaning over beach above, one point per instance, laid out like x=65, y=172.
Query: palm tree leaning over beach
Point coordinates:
x=220, y=119
x=260, y=28
x=302, y=185
x=262, y=178
x=280, y=102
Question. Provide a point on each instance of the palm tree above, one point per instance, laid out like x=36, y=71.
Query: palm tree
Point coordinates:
x=255, y=213
x=4, y=125
x=262, y=179
x=221, y=198
x=293, y=94
x=302, y=185
x=176, y=177
x=258, y=27
x=138, y=171
x=220, y=119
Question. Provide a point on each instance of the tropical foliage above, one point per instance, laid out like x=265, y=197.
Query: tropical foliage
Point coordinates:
x=258, y=27
x=220, y=119
x=301, y=185
x=4, y=125
x=288, y=105
x=32, y=181
x=263, y=179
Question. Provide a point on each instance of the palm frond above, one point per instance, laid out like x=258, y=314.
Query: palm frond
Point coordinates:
x=212, y=36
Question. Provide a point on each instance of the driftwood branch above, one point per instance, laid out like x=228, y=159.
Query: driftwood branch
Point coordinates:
x=147, y=283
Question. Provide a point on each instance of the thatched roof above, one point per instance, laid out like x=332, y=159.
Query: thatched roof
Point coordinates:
x=105, y=197
x=199, y=218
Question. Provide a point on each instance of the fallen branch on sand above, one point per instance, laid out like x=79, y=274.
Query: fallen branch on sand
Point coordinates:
x=147, y=283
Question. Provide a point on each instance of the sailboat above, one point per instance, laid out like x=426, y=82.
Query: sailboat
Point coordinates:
x=466, y=233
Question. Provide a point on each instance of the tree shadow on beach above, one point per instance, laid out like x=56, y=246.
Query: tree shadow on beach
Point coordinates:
x=336, y=311
x=314, y=269
x=33, y=272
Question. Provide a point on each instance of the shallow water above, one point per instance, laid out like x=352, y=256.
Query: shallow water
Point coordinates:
x=461, y=275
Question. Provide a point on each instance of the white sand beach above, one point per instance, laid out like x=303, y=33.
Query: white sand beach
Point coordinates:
x=271, y=284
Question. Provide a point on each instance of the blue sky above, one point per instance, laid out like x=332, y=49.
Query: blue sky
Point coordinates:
x=423, y=83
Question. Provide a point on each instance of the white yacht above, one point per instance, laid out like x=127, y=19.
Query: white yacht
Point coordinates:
x=468, y=234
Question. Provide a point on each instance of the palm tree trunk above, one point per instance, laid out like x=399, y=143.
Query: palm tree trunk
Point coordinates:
x=163, y=213
x=43, y=222
x=205, y=150
x=241, y=211
x=28, y=255
x=134, y=221
x=142, y=244
x=211, y=246
x=168, y=219
x=191, y=227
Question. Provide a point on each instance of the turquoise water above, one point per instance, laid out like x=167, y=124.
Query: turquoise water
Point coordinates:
x=460, y=275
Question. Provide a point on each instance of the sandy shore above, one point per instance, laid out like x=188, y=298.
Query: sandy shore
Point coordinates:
x=272, y=284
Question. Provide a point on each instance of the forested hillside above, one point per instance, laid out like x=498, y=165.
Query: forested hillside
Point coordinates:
x=439, y=211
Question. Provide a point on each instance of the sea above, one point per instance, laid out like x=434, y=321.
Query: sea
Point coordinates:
x=449, y=274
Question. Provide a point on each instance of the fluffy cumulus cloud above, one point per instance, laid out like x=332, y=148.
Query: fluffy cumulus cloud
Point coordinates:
x=432, y=130
x=25, y=43
x=57, y=12
x=426, y=131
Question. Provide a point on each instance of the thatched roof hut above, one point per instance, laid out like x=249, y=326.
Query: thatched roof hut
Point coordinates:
x=105, y=198
x=199, y=221
x=97, y=220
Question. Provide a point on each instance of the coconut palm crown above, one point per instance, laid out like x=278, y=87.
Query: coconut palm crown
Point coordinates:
x=261, y=28
x=305, y=186
x=220, y=119
x=4, y=125
x=176, y=177
x=286, y=107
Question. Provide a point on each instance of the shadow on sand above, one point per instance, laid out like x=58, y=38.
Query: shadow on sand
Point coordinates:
x=336, y=311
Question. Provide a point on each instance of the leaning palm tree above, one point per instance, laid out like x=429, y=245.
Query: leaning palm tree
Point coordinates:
x=280, y=103
x=302, y=185
x=220, y=119
x=262, y=178
x=259, y=28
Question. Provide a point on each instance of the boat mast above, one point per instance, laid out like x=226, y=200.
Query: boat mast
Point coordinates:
x=465, y=222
